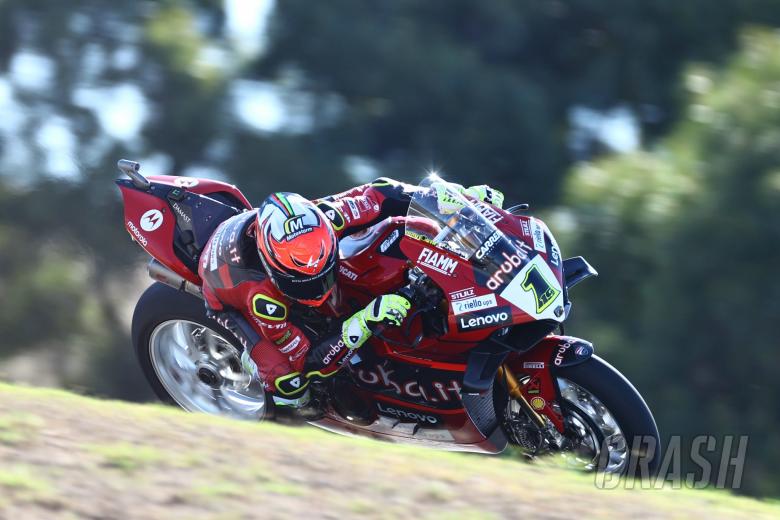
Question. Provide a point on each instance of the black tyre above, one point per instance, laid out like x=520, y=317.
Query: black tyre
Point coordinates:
x=189, y=359
x=629, y=410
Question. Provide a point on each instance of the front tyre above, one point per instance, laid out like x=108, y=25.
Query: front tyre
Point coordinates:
x=609, y=419
x=189, y=359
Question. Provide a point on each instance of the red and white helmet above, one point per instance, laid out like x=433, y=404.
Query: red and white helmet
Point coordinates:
x=297, y=247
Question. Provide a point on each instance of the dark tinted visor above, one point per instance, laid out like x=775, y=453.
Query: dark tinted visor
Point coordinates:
x=312, y=288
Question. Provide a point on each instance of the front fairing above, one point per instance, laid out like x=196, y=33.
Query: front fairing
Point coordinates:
x=496, y=269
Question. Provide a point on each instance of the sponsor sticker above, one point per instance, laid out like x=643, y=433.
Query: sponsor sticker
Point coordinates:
x=180, y=211
x=400, y=413
x=346, y=272
x=333, y=214
x=151, y=220
x=509, y=264
x=353, y=208
x=185, y=182
x=538, y=403
x=535, y=290
x=535, y=365
x=484, y=319
x=534, y=386
x=290, y=346
x=487, y=211
x=473, y=304
x=389, y=241
x=537, y=233
x=462, y=294
x=137, y=234
x=488, y=245
x=526, y=228
x=268, y=308
x=437, y=261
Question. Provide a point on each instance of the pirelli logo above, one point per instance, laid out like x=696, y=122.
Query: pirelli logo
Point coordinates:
x=269, y=309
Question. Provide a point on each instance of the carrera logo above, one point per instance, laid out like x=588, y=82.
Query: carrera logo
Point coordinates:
x=389, y=241
x=346, y=272
x=151, y=220
x=473, y=304
x=485, y=319
x=437, y=261
x=487, y=246
x=137, y=234
x=400, y=413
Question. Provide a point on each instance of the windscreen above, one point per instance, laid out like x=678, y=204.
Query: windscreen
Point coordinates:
x=507, y=265
x=440, y=215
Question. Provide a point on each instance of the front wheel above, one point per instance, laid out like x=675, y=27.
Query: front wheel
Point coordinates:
x=608, y=425
x=189, y=359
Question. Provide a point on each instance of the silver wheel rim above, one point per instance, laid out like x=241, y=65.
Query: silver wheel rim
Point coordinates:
x=202, y=371
x=589, y=411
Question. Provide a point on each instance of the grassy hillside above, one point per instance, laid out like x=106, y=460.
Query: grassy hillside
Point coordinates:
x=66, y=456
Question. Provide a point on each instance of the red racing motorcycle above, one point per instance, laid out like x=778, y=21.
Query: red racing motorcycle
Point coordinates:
x=477, y=364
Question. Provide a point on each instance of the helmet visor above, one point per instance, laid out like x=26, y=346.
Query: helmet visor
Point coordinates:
x=305, y=288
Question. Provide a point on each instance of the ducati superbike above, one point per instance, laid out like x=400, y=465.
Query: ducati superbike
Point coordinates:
x=480, y=362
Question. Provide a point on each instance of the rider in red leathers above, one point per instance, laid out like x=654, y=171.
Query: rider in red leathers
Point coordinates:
x=263, y=267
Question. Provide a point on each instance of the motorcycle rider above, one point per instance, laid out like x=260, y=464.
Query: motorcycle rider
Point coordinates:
x=264, y=268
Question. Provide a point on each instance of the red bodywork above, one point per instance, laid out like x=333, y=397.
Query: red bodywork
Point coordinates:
x=159, y=242
x=416, y=391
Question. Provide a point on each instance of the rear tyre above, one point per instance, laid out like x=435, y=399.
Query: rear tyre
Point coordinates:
x=189, y=359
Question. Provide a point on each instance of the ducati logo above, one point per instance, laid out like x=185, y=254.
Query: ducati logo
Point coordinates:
x=151, y=220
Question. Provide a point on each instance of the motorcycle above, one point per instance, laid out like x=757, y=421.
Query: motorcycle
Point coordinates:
x=475, y=367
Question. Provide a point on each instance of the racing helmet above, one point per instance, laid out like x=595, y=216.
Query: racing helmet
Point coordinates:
x=298, y=247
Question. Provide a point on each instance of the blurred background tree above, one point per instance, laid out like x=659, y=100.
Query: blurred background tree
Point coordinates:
x=645, y=130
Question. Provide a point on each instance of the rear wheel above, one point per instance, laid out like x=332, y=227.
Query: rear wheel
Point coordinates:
x=189, y=359
x=608, y=426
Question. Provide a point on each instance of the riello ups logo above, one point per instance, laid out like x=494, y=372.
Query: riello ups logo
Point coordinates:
x=483, y=319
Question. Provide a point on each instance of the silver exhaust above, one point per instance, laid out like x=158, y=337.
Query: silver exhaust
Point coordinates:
x=157, y=271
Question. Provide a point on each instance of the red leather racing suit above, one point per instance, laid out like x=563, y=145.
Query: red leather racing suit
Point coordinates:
x=242, y=298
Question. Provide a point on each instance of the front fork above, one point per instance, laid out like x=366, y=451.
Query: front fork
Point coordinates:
x=539, y=396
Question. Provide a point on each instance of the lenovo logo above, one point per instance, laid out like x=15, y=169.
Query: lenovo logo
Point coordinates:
x=485, y=319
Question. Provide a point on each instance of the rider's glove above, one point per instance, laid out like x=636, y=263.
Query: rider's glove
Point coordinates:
x=487, y=194
x=446, y=199
x=389, y=309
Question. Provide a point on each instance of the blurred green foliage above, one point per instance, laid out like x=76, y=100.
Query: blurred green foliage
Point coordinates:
x=684, y=231
x=687, y=240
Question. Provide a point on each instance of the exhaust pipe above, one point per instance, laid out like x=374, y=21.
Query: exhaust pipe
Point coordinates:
x=157, y=271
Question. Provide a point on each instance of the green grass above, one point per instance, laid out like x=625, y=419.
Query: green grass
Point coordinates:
x=78, y=453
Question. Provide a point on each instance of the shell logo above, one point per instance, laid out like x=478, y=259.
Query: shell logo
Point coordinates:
x=537, y=403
